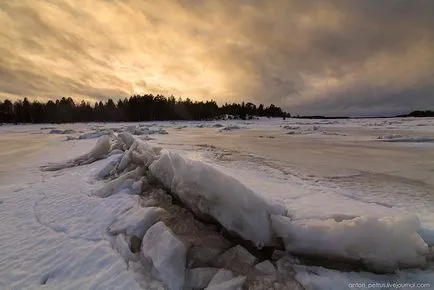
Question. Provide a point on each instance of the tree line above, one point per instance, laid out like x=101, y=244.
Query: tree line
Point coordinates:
x=133, y=109
x=426, y=113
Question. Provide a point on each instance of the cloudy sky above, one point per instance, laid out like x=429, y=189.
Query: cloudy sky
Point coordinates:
x=346, y=57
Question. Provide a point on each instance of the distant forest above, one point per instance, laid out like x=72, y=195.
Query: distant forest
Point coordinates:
x=133, y=109
x=419, y=114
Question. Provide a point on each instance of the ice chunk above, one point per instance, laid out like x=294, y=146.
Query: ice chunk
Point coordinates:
x=69, y=138
x=221, y=276
x=124, y=162
x=167, y=253
x=285, y=266
x=144, y=131
x=230, y=128
x=95, y=134
x=108, y=168
x=225, y=280
x=146, y=138
x=99, y=151
x=126, y=139
x=381, y=244
x=123, y=141
x=124, y=181
x=136, y=221
x=399, y=138
x=101, y=148
x=199, y=278
x=161, y=132
x=138, y=154
x=265, y=268
x=237, y=259
x=263, y=276
x=57, y=131
x=130, y=128
x=211, y=193
x=289, y=127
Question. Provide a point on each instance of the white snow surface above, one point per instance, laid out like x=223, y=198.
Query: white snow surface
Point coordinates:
x=352, y=192
x=52, y=234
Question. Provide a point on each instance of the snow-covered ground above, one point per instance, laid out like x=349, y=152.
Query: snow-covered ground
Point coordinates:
x=348, y=197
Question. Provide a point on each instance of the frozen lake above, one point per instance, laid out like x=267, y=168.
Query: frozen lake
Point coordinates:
x=52, y=225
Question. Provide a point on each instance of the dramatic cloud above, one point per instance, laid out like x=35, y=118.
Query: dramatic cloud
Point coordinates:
x=311, y=57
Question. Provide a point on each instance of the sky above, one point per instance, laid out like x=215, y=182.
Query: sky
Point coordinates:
x=347, y=57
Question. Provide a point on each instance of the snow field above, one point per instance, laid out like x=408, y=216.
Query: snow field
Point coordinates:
x=110, y=198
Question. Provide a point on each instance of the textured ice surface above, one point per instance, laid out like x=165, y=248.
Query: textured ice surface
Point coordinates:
x=136, y=221
x=99, y=151
x=54, y=228
x=167, y=253
x=209, y=192
x=382, y=244
x=225, y=280
x=199, y=278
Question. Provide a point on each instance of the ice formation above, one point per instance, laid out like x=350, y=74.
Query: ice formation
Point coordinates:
x=399, y=138
x=140, y=130
x=199, y=278
x=211, y=193
x=225, y=280
x=136, y=221
x=62, y=132
x=99, y=151
x=96, y=134
x=168, y=255
x=229, y=128
x=186, y=206
x=381, y=244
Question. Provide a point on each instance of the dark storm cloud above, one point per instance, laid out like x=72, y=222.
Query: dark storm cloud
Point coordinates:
x=329, y=57
x=368, y=101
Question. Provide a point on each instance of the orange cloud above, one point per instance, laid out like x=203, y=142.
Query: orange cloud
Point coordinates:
x=293, y=53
